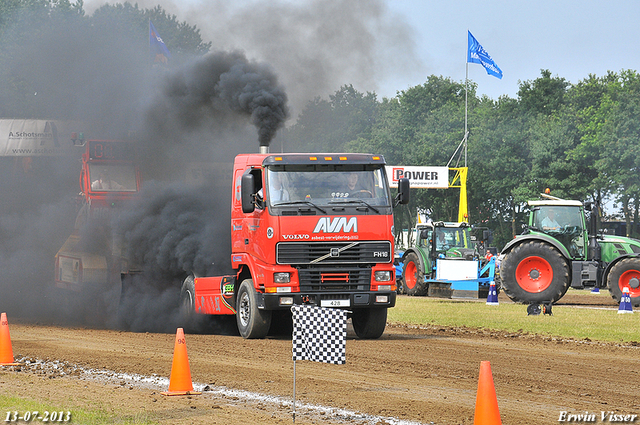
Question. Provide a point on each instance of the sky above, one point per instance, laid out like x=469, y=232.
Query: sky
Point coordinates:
x=391, y=45
x=570, y=38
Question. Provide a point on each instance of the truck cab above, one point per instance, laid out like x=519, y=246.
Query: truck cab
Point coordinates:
x=307, y=229
x=93, y=259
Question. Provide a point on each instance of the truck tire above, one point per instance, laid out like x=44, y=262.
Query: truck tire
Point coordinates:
x=188, y=304
x=253, y=323
x=534, y=272
x=413, y=276
x=625, y=274
x=369, y=323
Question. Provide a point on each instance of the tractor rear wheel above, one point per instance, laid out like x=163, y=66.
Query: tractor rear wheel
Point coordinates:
x=534, y=272
x=625, y=274
x=413, y=276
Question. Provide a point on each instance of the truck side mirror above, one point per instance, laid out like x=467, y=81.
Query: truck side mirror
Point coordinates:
x=403, y=192
x=246, y=191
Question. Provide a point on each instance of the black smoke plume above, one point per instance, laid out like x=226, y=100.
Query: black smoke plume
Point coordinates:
x=216, y=84
x=180, y=227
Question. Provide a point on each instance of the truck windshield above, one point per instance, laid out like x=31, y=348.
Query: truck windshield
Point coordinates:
x=112, y=178
x=327, y=187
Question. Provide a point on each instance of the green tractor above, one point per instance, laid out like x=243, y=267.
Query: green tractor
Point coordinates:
x=558, y=250
x=450, y=266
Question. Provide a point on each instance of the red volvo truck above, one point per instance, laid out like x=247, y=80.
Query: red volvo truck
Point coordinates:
x=311, y=229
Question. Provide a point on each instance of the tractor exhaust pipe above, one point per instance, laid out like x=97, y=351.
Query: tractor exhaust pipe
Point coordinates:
x=264, y=149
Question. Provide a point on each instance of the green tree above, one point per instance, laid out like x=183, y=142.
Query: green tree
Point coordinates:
x=619, y=139
x=544, y=95
x=55, y=62
x=329, y=126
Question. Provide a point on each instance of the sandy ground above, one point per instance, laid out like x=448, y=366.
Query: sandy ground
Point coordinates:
x=410, y=375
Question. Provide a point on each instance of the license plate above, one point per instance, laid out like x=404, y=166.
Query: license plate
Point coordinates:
x=335, y=303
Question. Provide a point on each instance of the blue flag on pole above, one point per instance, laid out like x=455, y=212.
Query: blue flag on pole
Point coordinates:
x=477, y=54
x=158, y=50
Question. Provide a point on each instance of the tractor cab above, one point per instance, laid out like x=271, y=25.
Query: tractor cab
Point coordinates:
x=452, y=241
x=563, y=221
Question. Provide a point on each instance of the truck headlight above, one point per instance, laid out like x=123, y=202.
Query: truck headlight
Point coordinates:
x=282, y=277
x=382, y=276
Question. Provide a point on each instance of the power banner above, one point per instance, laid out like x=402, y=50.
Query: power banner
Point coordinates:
x=419, y=177
x=36, y=137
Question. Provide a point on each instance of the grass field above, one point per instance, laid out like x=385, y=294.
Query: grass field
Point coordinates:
x=577, y=322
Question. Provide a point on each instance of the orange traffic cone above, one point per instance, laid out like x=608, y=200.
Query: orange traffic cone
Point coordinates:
x=6, y=353
x=180, y=380
x=486, y=401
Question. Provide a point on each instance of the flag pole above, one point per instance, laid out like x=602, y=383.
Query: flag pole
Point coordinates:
x=466, y=89
x=294, y=391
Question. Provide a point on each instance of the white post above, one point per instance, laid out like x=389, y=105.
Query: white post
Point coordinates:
x=294, y=391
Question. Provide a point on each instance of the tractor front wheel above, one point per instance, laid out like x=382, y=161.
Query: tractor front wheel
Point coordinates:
x=625, y=274
x=413, y=275
x=534, y=272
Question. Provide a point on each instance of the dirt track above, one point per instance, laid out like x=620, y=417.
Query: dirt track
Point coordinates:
x=417, y=375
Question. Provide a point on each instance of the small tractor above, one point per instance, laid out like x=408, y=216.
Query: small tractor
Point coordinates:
x=560, y=249
x=444, y=262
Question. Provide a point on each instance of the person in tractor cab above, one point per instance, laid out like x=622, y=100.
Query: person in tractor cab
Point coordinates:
x=441, y=242
x=549, y=222
x=104, y=182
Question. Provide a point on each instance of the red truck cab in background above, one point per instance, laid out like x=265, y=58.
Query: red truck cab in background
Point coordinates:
x=311, y=229
x=92, y=260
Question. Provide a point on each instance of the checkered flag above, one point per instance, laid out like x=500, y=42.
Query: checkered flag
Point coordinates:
x=319, y=334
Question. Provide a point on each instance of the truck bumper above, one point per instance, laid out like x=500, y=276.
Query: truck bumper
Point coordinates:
x=345, y=301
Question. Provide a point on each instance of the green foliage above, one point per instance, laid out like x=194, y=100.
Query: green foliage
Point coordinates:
x=55, y=60
x=328, y=126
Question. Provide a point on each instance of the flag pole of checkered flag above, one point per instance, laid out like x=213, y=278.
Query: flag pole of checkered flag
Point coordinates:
x=319, y=334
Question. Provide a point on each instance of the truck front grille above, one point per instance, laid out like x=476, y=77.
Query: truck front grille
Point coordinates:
x=321, y=253
x=334, y=279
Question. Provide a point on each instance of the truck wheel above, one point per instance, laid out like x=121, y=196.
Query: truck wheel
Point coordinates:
x=534, y=272
x=413, y=276
x=625, y=274
x=252, y=322
x=369, y=323
x=188, y=304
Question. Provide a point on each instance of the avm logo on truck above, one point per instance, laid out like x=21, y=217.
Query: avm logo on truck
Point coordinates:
x=336, y=225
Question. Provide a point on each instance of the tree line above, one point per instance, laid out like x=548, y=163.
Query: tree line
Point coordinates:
x=578, y=139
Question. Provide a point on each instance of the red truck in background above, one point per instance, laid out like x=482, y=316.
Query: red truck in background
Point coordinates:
x=93, y=260
x=305, y=229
